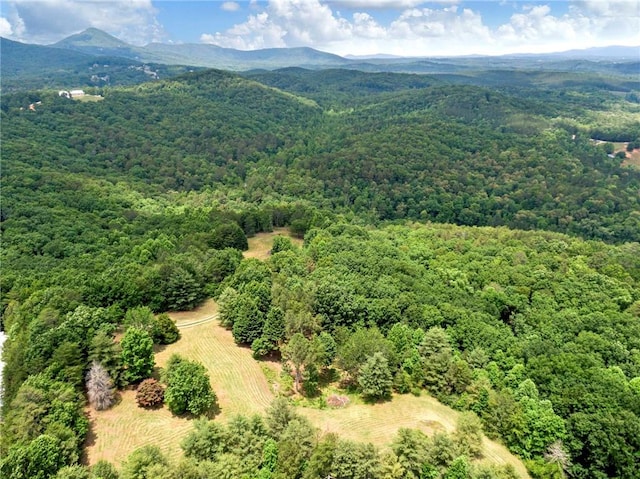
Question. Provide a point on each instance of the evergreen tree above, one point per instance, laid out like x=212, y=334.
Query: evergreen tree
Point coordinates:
x=375, y=378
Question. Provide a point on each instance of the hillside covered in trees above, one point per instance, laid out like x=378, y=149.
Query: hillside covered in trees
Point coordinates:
x=468, y=239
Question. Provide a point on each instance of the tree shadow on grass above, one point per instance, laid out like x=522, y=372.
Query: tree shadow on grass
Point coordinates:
x=210, y=413
x=371, y=401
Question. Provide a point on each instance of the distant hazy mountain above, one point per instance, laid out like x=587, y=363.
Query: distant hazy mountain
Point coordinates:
x=94, y=57
x=97, y=42
x=376, y=56
x=32, y=67
x=608, y=53
x=228, y=58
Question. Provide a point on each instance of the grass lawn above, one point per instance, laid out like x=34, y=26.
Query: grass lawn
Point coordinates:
x=89, y=98
x=236, y=378
x=378, y=423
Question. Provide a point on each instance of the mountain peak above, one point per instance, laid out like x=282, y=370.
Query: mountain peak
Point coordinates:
x=91, y=37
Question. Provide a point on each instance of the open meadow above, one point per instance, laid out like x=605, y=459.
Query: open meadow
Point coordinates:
x=240, y=383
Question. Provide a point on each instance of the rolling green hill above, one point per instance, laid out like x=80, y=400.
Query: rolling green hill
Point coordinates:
x=523, y=312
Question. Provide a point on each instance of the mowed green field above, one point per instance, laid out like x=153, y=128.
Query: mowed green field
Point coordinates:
x=378, y=423
x=237, y=379
x=242, y=388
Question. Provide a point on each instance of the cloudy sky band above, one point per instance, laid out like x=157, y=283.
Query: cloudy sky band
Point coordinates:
x=401, y=27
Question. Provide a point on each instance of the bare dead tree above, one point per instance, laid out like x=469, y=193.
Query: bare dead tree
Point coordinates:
x=100, y=387
x=557, y=455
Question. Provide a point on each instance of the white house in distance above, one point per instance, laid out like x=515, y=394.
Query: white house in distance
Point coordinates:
x=71, y=94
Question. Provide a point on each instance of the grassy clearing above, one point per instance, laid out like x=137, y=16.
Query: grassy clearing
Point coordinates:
x=245, y=386
x=632, y=159
x=260, y=244
x=89, y=98
x=236, y=378
x=378, y=423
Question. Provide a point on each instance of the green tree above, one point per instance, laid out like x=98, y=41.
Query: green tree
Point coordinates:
x=363, y=343
x=45, y=406
x=410, y=446
x=137, y=355
x=140, y=462
x=352, y=460
x=300, y=352
x=229, y=235
x=279, y=415
x=436, y=350
x=205, y=442
x=104, y=350
x=375, y=378
x=543, y=426
x=328, y=349
x=39, y=459
x=73, y=472
x=322, y=458
x=141, y=318
x=459, y=469
x=227, y=301
x=188, y=387
x=222, y=263
x=249, y=320
x=103, y=470
x=269, y=456
x=468, y=435
x=273, y=330
x=281, y=243
x=68, y=363
x=295, y=448
x=442, y=450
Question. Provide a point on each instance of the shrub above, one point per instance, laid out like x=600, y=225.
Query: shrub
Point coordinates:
x=150, y=393
x=166, y=330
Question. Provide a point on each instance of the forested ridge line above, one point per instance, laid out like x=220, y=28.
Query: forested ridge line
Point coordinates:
x=449, y=153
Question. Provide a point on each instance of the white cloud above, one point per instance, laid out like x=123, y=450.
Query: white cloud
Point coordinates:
x=230, y=6
x=447, y=29
x=375, y=4
x=257, y=32
x=47, y=21
x=283, y=23
x=590, y=23
x=6, y=30
x=611, y=8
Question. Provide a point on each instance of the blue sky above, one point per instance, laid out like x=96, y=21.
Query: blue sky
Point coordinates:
x=360, y=27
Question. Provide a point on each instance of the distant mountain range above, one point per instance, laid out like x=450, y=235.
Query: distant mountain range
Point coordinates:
x=95, y=58
x=97, y=42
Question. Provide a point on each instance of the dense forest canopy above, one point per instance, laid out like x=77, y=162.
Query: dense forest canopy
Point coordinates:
x=526, y=313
